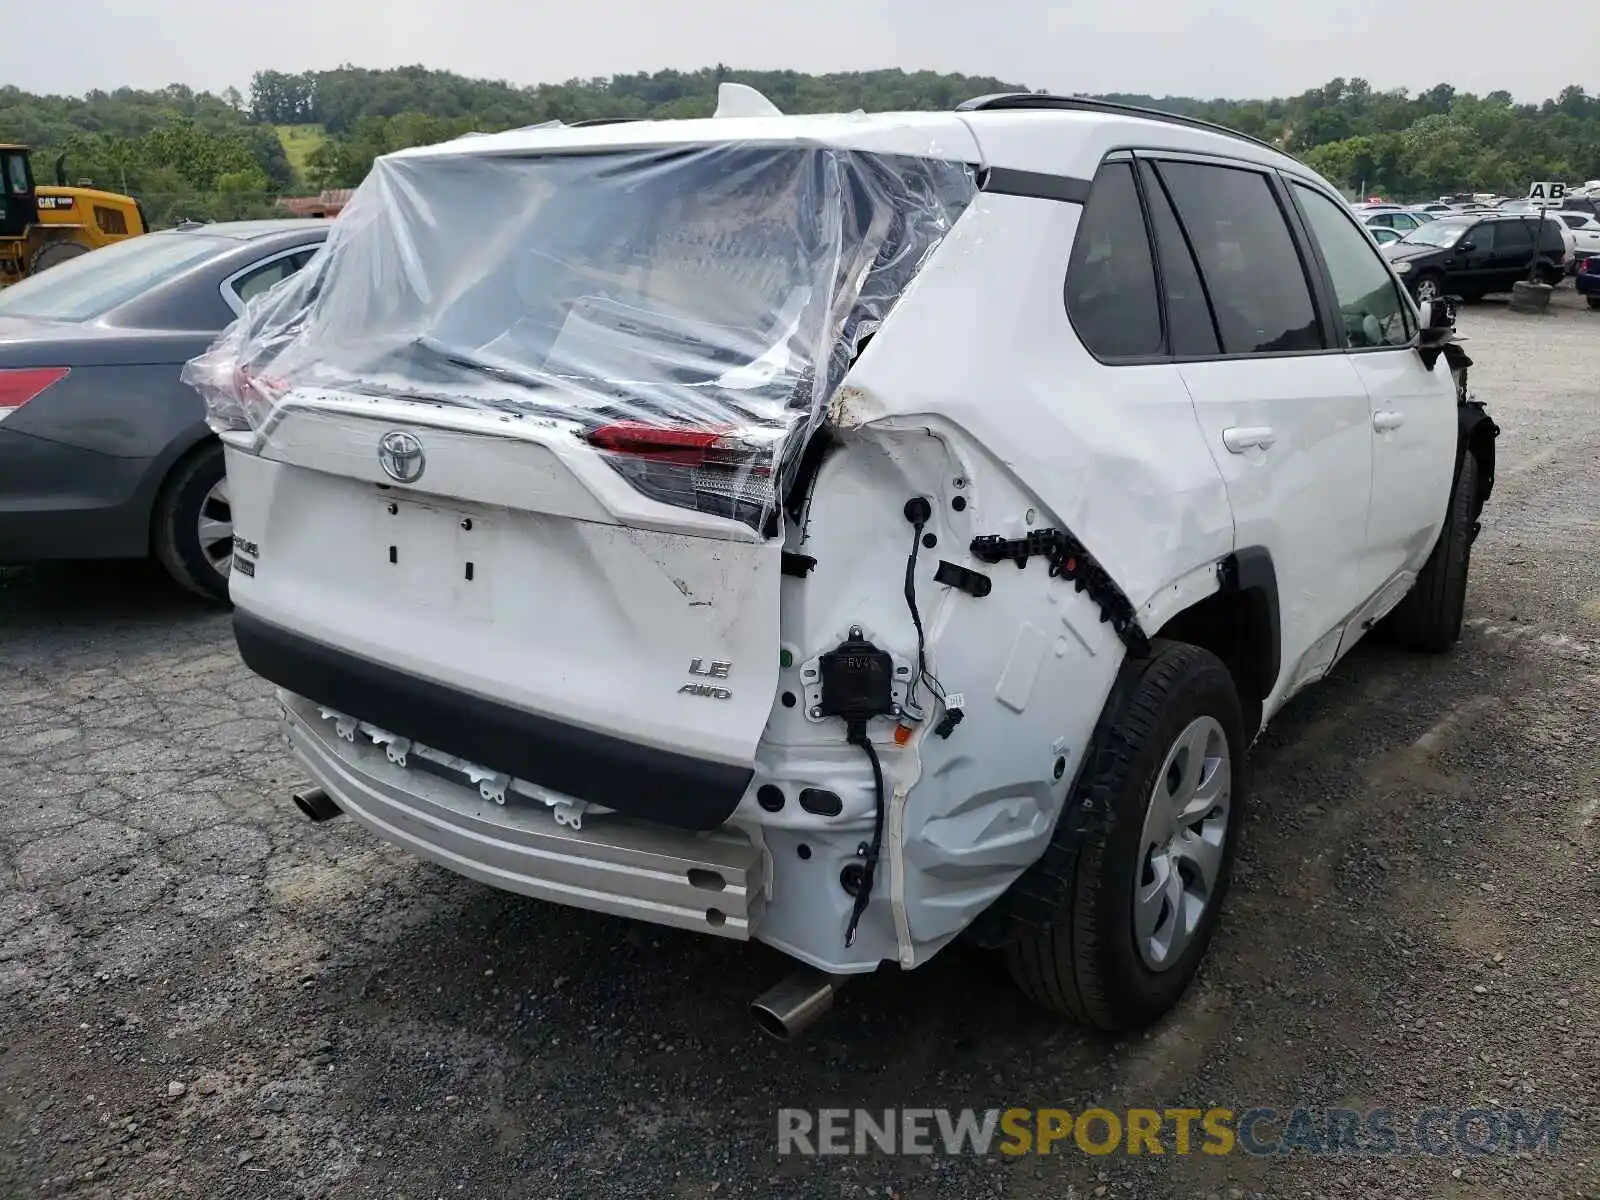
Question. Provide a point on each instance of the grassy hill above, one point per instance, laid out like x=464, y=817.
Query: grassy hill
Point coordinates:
x=299, y=143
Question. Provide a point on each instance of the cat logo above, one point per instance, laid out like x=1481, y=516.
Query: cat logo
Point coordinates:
x=705, y=689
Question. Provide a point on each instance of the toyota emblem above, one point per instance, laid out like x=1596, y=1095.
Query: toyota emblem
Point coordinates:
x=401, y=456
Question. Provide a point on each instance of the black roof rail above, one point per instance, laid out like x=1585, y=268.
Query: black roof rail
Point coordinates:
x=1002, y=101
x=588, y=121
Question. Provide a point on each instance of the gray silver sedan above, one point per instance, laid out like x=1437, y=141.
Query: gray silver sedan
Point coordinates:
x=104, y=453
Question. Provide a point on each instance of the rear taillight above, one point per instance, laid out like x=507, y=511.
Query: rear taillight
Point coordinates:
x=716, y=471
x=258, y=394
x=19, y=385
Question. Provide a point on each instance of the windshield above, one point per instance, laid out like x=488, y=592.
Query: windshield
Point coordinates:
x=92, y=284
x=1435, y=233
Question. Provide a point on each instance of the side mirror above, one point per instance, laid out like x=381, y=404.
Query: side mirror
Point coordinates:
x=1437, y=329
x=1466, y=247
x=1437, y=314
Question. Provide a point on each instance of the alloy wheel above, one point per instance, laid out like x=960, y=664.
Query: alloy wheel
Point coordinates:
x=215, y=527
x=1181, y=848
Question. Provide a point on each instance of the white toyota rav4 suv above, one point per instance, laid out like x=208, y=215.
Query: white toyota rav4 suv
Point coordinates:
x=848, y=532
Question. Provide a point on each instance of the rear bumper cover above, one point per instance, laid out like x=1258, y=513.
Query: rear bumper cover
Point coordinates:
x=707, y=882
x=63, y=502
x=660, y=785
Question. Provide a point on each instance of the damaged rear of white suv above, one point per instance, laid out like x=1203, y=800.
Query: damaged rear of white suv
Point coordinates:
x=849, y=532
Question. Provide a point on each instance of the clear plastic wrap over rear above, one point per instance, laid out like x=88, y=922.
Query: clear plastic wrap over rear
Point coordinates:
x=687, y=311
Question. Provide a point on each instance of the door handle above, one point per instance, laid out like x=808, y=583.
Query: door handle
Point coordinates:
x=1383, y=422
x=1241, y=438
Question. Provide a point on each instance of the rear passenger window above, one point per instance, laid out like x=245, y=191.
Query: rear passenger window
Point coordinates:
x=1111, y=281
x=1369, y=301
x=1189, y=323
x=1509, y=237
x=1252, y=270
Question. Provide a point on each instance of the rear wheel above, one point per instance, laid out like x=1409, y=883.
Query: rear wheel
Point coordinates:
x=193, y=523
x=53, y=254
x=1142, y=886
x=1429, y=618
x=1594, y=301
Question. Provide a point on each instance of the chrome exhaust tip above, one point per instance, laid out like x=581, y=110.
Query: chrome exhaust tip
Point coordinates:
x=790, y=1008
x=317, y=804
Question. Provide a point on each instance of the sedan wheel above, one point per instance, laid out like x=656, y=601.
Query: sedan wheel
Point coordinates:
x=1428, y=289
x=215, y=528
x=192, y=526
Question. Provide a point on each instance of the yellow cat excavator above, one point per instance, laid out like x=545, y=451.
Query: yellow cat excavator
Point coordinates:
x=43, y=226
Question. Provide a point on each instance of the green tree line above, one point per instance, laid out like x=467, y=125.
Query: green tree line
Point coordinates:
x=201, y=155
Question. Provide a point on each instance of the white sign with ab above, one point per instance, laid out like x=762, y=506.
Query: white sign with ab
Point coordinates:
x=1547, y=195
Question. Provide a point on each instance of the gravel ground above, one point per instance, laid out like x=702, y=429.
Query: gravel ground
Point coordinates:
x=203, y=995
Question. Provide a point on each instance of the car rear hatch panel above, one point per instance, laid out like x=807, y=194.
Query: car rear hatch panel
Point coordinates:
x=513, y=480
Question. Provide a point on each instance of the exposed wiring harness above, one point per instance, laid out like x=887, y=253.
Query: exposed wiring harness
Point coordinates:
x=857, y=735
x=919, y=512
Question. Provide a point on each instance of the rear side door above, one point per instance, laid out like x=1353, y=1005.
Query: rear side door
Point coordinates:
x=1513, y=252
x=1284, y=412
x=1413, y=409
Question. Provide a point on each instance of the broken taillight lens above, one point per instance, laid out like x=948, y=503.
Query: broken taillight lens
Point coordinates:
x=21, y=384
x=717, y=471
x=257, y=394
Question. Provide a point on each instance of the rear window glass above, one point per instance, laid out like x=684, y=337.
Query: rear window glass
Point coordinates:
x=1111, y=280
x=93, y=284
x=727, y=278
x=1247, y=256
x=1188, y=313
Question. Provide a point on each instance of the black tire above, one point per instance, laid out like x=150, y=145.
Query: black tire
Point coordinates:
x=1594, y=301
x=53, y=254
x=1085, y=962
x=1428, y=277
x=1429, y=618
x=175, y=524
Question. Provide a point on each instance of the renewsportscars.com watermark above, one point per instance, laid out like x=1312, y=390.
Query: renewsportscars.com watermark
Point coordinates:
x=1261, y=1132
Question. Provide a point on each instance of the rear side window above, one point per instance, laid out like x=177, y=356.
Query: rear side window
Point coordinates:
x=1111, y=280
x=253, y=283
x=1247, y=257
x=1370, y=307
x=1189, y=323
x=1510, y=237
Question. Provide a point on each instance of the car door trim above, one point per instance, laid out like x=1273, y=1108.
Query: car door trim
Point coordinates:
x=1037, y=185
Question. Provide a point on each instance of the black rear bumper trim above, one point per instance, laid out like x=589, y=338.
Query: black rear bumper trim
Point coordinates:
x=658, y=785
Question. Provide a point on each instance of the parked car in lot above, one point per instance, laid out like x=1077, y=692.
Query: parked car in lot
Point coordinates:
x=623, y=545
x=1469, y=255
x=1384, y=236
x=1587, y=203
x=1585, y=232
x=104, y=453
x=1397, y=219
x=1587, y=280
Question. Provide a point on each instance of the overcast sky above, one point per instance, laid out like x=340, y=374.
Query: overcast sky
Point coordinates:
x=1231, y=48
